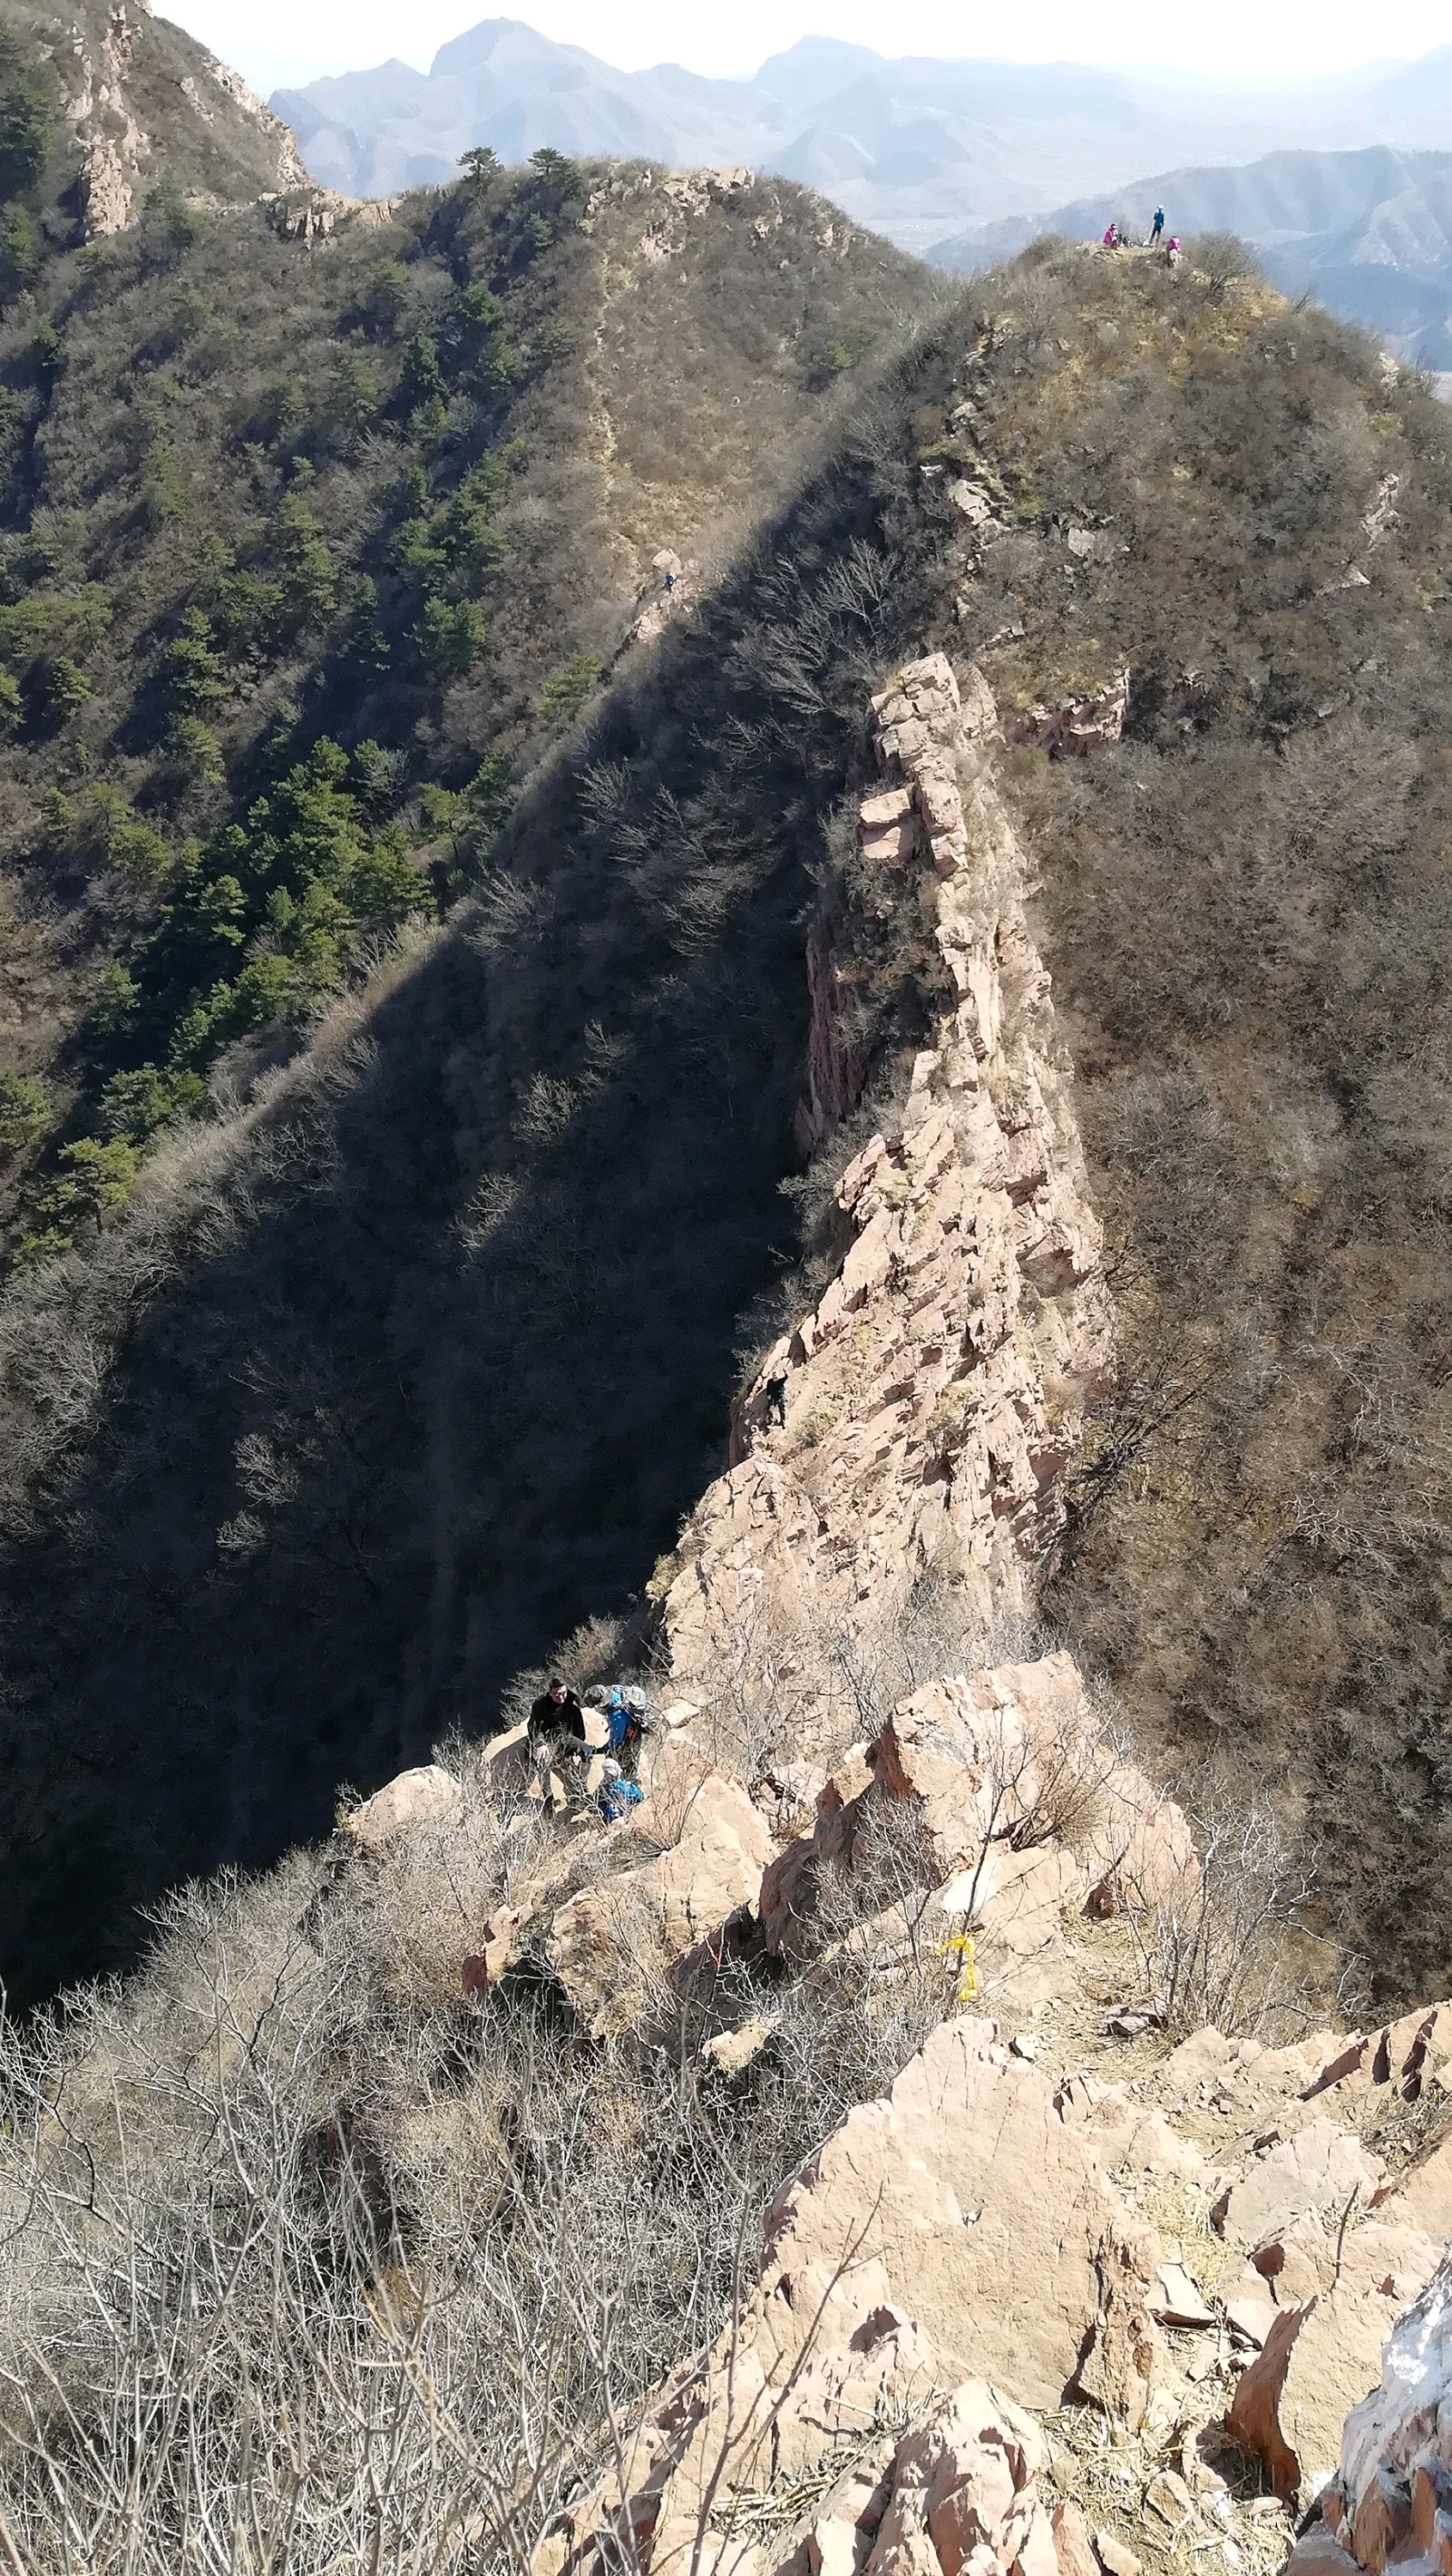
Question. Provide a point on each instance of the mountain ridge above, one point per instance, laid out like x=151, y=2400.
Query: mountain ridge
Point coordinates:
x=894, y=140
x=1368, y=233
x=141, y=102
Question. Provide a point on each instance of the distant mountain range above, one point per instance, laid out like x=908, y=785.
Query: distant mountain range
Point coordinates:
x=1369, y=234
x=916, y=148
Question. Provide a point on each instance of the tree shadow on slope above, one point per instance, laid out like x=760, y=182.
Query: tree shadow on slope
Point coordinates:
x=450, y=1376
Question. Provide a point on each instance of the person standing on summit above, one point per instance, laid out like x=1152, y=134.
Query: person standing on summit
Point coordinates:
x=1157, y=228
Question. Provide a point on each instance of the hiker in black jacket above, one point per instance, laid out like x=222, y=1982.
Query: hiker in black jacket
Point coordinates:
x=558, y=1740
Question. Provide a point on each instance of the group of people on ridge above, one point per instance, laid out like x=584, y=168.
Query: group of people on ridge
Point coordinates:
x=1116, y=238
x=558, y=1743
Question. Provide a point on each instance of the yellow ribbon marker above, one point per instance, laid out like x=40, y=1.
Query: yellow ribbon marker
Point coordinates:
x=959, y=1948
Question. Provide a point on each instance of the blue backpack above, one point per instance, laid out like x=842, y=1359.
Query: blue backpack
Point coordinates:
x=622, y=1722
x=615, y=1798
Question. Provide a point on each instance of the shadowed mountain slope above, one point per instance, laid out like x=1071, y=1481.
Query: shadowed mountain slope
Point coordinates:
x=320, y=544
x=422, y=1362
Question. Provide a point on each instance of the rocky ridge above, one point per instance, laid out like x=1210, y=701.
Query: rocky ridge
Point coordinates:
x=142, y=100
x=1089, y=2282
x=1087, y=2285
x=933, y=1398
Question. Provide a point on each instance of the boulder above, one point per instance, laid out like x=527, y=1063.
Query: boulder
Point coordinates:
x=962, y=2484
x=1073, y=2550
x=1422, y=2198
x=1322, y=2167
x=608, y=1943
x=985, y=1753
x=904, y=2257
x=1176, y=2299
x=1400, y=2058
x=1291, y=2403
x=926, y=2188
x=421, y=1797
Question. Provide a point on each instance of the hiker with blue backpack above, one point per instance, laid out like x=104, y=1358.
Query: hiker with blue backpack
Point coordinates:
x=616, y=1795
x=625, y=1723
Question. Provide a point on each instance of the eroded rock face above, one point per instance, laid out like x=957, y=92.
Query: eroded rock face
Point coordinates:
x=1023, y=1810
x=901, y=2261
x=1077, y=726
x=934, y=1396
x=920, y=2197
x=143, y=99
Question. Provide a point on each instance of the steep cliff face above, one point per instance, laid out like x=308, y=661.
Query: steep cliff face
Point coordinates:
x=142, y=101
x=924, y=1414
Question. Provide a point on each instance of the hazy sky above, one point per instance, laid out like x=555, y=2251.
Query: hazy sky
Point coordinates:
x=1252, y=40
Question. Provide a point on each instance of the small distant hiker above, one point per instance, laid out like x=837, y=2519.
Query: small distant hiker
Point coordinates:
x=1111, y=237
x=1174, y=253
x=616, y=1795
x=557, y=1740
x=775, y=1393
x=1157, y=227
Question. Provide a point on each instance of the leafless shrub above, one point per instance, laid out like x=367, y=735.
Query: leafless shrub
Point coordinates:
x=308, y=2262
x=1233, y=1946
x=793, y=1663
x=1223, y=257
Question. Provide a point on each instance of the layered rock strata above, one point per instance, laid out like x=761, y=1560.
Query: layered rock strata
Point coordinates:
x=933, y=1398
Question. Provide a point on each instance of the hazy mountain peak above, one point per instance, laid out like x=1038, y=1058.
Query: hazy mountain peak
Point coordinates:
x=508, y=48
x=813, y=68
x=917, y=147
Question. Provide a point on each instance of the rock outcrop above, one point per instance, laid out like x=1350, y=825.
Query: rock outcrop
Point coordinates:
x=304, y=213
x=1022, y=1812
x=143, y=101
x=1051, y=2208
x=421, y=1797
x=1208, y=2252
x=611, y=1942
x=933, y=1398
x=1074, y=727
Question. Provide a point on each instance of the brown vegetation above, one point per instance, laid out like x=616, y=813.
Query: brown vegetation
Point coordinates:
x=425, y=1366
x=309, y=2258
x=1245, y=912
